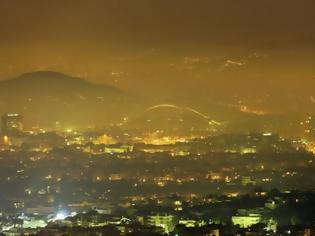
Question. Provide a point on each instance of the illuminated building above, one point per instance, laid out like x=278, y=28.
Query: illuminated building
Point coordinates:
x=167, y=222
x=247, y=180
x=188, y=223
x=178, y=206
x=270, y=204
x=248, y=150
x=245, y=221
x=34, y=223
x=180, y=153
x=308, y=127
x=118, y=149
x=6, y=140
x=12, y=122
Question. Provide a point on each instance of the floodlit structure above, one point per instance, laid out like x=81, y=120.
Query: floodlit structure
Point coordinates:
x=246, y=220
x=11, y=122
x=167, y=222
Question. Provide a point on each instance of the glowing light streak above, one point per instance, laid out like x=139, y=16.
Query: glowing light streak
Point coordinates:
x=194, y=111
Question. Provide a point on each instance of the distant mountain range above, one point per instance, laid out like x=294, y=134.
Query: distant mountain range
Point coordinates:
x=47, y=97
x=54, y=83
x=50, y=99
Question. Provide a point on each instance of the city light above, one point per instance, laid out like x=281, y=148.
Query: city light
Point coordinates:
x=142, y=118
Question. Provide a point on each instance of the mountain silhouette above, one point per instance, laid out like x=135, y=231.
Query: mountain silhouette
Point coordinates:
x=53, y=83
x=47, y=97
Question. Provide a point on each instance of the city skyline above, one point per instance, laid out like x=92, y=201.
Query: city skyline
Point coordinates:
x=157, y=117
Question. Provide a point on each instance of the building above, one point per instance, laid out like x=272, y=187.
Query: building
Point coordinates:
x=11, y=122
x=118, y=149
x=247, y=180
x=245, y=221
x=167, y=222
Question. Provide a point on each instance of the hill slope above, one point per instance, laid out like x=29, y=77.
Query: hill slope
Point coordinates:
x=45, y=97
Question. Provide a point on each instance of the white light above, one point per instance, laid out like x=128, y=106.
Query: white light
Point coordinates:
x=61, y=215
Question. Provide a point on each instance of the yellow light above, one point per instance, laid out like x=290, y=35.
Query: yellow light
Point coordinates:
x=6, y=140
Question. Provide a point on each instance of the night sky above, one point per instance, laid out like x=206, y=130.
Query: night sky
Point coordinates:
x=250, y=51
